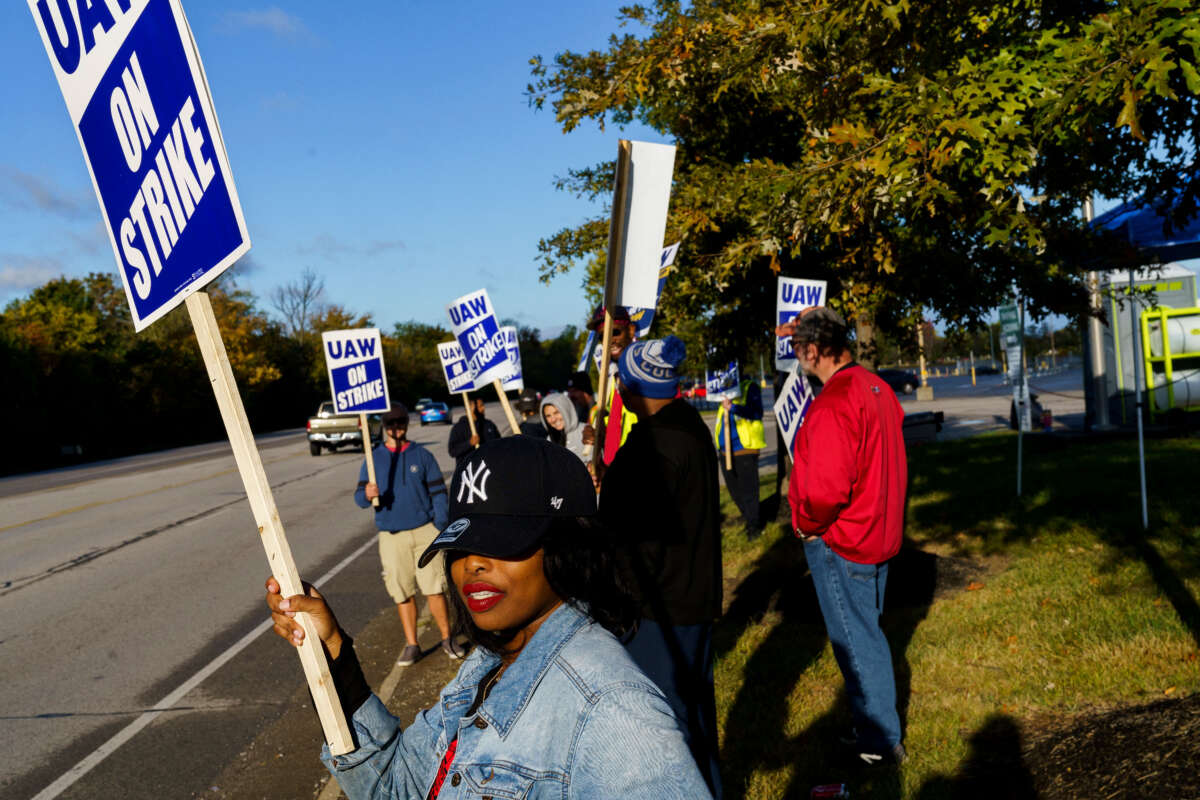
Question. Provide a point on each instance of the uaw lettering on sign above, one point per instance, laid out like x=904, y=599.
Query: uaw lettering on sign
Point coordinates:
x=454, y=368
x=357, y=377
x=793, y=296
x=643, y=318
x=791, y=406
x=135, y=90
x=723, y=383
x=515, y=381
x=478, y=334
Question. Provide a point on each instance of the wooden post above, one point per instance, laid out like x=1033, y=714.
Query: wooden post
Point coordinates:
x=612, y=273
x=602, y=397
x=366, y=432
x=728, y=440
x=508, y=412
x=266, y=515
x=470, y=413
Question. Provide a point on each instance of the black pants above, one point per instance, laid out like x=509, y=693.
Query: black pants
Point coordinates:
x=742, y=483
x=679, y=659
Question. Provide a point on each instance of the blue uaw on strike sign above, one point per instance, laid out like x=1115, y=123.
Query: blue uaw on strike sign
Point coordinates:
x=454, y=367
x=356, y=374
x=478, y=334
x=793, y=296
x=722, y=383
x=136, y=93
x=515, y=380
x=791, y=407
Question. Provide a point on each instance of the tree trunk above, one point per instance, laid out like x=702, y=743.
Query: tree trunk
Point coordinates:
x=867, y=352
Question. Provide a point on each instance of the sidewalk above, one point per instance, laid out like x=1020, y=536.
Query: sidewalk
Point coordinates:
x=282, y=762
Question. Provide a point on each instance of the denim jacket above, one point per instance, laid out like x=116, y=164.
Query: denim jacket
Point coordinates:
x=572, y=717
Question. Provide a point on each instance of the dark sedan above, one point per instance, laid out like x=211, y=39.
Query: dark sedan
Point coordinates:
x=901, y=380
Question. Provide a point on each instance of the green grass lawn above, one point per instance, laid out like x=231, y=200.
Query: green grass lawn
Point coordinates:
x=1007, y=617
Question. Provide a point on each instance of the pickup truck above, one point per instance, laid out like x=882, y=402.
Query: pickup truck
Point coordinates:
x=329, y=431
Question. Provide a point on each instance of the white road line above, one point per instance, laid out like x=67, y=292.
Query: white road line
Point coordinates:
x=163, y=706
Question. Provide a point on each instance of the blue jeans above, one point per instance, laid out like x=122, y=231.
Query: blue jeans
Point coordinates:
x=851, y=600
x=679, y=659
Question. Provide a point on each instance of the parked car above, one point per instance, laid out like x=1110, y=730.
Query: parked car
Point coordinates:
x=435, y=412
x=327, y=430
x=901, y=380
x=420, y=406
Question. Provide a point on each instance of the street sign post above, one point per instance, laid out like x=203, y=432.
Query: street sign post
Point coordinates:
x=1012, y=330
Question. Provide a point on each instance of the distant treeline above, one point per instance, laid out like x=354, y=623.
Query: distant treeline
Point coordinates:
x=81, y=385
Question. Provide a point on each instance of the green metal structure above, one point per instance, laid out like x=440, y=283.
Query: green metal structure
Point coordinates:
x=1174, y=368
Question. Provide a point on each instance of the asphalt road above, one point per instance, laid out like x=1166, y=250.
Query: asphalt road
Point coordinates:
x=120, y=581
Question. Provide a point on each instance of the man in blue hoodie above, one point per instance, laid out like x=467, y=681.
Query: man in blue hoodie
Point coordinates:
x=412, y=509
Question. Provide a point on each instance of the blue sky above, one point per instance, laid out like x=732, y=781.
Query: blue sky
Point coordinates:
x=386, y=145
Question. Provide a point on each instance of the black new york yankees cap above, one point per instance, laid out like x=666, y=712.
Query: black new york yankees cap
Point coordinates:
x=506, y=494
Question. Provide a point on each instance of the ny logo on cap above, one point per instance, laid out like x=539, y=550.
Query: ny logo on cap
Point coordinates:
x=474, y=482
x=556, y=502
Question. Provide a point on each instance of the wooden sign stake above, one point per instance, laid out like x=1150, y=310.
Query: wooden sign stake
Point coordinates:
x=728, y=441
x=512, y=420
x=266, y=515
x=470, y=414
x=602, y=397
x=366, y=433
x=612, y=272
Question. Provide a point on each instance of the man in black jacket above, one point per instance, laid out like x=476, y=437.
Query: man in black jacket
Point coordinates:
x=660, y=498
x=461, y=440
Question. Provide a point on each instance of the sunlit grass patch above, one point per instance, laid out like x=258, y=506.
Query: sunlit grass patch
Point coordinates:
x=1003, y=613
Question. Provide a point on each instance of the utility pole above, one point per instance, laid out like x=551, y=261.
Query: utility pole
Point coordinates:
x=1095, y=343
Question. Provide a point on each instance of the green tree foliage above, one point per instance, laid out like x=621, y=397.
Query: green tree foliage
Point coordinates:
x=920, y=156
x=80, y=381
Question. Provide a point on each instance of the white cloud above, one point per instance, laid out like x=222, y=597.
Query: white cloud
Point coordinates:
x=22, y=190
x=19, y=274
x=382, y=246
x=331, y=248
x=273, y=20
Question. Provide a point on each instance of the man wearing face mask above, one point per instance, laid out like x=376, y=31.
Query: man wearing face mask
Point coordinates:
x=847, y=490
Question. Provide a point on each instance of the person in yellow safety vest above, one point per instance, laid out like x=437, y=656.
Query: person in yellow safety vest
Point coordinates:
x=746, y=440
x=612, y=435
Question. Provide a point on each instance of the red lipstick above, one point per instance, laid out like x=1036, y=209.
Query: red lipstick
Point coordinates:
x=481, y=596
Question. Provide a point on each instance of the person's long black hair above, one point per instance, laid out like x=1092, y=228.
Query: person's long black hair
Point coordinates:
x=579, y=564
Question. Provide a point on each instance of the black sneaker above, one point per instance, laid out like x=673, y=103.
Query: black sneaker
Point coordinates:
x=411, y=654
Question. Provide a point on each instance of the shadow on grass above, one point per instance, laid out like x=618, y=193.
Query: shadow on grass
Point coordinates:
x=756, y=729
x=993, y=770
x=968, y=487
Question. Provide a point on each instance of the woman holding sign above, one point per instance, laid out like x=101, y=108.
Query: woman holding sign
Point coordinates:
x=549, y=704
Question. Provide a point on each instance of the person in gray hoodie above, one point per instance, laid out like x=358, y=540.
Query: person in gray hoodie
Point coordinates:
x=563, y=426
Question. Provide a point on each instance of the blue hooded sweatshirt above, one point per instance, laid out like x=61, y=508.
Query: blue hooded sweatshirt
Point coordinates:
x=412, y=491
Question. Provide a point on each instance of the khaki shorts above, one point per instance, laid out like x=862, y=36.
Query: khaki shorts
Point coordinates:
x=398, y=553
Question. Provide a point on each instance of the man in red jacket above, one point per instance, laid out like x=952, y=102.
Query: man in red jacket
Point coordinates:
x=847, y=492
